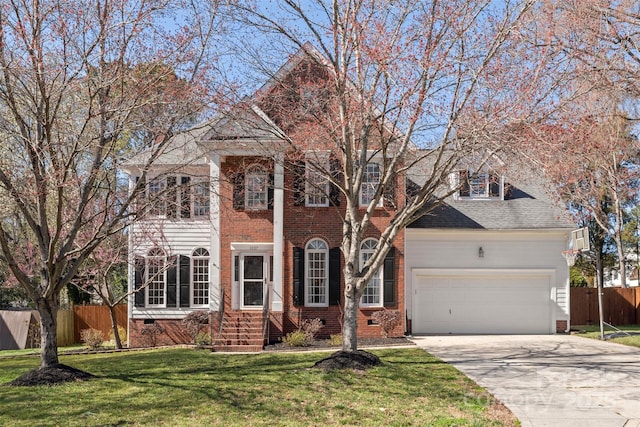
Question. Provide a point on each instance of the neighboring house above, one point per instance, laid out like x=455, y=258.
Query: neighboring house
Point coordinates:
x=612, y=274
x=244, y=232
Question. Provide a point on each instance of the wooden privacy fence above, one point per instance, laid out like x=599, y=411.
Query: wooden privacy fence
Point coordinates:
x=621, y=306
x=97, y=317
x=65, y=328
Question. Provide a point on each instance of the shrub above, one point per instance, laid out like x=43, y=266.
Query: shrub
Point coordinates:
x=92, y=337
x=193, y=322
x=296, y=338
x=387, y=319
x=311, y=327
x=335, y=339
x=122, y=332
x=150, y=333
x=203, y=338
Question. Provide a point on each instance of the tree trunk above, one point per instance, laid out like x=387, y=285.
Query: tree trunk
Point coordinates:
x=48, y=310
x=114, y=326
x=350, y=325
x=622, y=266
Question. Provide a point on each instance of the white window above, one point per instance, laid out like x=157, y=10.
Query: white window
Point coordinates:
x=256, y=188
x=157, y=196
x=200, y=277
x=201, y=195
x=370, y=183
x=372, y=296
x=317, y=273
x=156, y=278
x=479, y=185
x=317, y=187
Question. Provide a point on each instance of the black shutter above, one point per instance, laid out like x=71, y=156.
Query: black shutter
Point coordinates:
x=171, y=197
x=171, y=282
x=464, y=184
x=237, y=179
x=389, y=279
x=185, y=197
x=270, y=186
x=299, y=182
x=139, y=281
x=298, y=276
x=337, y=176
x=335, y=272
x=494, y=185
x=185, y=267
x=389, y=192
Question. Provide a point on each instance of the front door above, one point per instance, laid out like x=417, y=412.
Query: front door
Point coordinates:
x=252, y=280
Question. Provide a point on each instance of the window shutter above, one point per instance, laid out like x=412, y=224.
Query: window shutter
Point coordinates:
x=464, y=184
x=298, y=276
x=185, y=194
x=494, y=185
x=270, y=185
x=172, y=194
x=139, y=268
x=171, y=282
x=299, y=182
x=336, y=174
x=237, y=180
x=185, y=279
x=335, y=273
x=389, y=279
x=389, y=192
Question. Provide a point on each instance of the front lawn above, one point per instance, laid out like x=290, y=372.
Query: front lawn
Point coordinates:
x=593, y=331
x=185, y=387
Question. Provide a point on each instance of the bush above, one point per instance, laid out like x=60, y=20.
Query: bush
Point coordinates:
x=92, y=337
x=150, y=333
x=122, y=332
x=297, y=338
x=193, y=322
x=203, y=338
x=335, y=339
x=388, y=320
x=311, y=327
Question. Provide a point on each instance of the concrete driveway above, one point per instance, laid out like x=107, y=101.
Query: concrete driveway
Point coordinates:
x=550, y=380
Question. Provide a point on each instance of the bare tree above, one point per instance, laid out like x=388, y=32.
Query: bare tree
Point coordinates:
x=82, y=84
x=399, y=88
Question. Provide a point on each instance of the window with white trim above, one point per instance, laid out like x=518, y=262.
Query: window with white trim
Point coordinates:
x=156, y=278
x=157, y=196
x=372, y=296
x=200, y=277
x=370, y=182
x=317, y=273
x=256, y=182
x=479, y=185
x=201, y=197
x=317, y=187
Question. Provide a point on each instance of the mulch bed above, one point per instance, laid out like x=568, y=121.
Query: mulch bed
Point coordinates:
x=358, y=360
x=51, y=375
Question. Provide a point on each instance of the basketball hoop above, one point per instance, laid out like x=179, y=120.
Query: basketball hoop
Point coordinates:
x=570, y=256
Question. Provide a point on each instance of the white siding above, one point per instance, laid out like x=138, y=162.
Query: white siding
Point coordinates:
x=176, y=237
x=502, y=250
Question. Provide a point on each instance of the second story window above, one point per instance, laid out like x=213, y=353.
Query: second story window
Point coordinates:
x=256, y=181
x=201, y=195
x=157, y=197
x=479, y=185
x=317, y=188
x=370, y=182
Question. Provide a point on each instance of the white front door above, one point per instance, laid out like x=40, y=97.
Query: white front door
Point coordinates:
x=252, y=280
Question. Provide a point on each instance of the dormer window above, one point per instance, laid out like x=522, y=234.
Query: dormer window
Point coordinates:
x=479, y=185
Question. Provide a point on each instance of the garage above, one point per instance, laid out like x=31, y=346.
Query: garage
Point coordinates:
x=482, y=302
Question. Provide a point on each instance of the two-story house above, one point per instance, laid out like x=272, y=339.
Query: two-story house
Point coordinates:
x=241, y=224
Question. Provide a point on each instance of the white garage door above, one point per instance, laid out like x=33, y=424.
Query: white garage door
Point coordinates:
x=482, y=304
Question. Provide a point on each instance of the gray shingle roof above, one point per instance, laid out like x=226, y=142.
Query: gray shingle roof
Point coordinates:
x=529, y=206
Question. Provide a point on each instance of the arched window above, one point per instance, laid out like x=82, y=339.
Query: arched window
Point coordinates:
x=200, y=277
x=256, y=181
x=317, y=273
x=156, y=278
x=372, y=296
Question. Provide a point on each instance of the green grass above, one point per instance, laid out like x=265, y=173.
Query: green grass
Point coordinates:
x=185, y=387
x=593, y=331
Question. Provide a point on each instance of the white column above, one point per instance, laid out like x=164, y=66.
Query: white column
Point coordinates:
x=214, y=203
x=278, y=232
